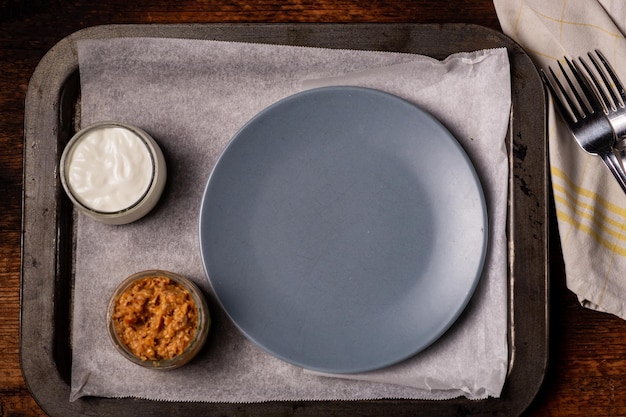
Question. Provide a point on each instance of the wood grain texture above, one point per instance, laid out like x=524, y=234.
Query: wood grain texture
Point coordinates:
x=587, y=374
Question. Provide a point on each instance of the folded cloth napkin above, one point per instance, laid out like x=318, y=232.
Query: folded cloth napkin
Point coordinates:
x=192, y=96
x=590, y=205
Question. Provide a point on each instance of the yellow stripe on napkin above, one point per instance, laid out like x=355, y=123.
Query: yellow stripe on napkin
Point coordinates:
x=588, y=212
x=562, y=22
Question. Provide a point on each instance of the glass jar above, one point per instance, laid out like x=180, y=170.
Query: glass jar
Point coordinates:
x=113, y=172
x=133, y=334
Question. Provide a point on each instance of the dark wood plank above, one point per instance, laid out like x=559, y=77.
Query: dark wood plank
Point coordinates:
x=587, y=348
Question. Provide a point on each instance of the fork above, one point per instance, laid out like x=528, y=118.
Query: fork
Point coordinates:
x=587, y=118
x=615, y=101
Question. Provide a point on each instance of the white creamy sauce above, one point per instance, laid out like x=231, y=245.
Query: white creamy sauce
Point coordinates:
x=109, y=169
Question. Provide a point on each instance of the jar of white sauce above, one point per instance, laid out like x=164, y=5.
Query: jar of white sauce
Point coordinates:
x=113, y=172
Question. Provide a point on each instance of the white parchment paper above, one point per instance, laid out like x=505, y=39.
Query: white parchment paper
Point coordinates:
x=192, y=96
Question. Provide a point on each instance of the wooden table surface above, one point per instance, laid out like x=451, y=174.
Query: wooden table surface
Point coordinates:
x=587, y=371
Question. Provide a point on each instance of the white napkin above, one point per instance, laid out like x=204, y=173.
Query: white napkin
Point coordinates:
x=590, y=206
x=192, y=96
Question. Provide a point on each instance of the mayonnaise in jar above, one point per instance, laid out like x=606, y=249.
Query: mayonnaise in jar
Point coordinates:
x=110, y=170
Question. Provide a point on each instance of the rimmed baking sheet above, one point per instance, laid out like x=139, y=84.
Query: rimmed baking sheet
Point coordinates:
x=48, y=243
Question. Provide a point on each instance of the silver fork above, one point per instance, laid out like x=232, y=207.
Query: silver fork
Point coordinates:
x=611, y=91
x=586, y=118
x=615, y=101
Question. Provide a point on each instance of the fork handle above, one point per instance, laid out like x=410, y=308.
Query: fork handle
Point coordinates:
x=615, y=166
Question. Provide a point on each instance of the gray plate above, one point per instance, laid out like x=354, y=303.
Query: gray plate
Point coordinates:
x=333, y=231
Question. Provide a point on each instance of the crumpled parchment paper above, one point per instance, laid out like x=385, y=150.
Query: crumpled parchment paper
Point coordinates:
x=192, y=96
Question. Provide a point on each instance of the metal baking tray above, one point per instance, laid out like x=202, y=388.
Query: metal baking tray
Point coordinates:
x=52, y=108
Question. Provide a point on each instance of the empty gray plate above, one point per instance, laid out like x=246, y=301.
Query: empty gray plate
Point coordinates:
x=343, y=229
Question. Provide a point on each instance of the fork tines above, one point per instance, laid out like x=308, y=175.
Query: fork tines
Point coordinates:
x=592, y=93
x=580, y=109
x=612, y=85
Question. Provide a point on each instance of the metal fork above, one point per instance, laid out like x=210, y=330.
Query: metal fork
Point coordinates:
x=615, y=101
x=611, y=91
x=586, y=118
